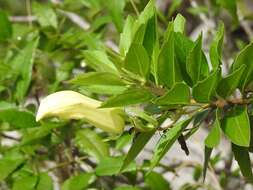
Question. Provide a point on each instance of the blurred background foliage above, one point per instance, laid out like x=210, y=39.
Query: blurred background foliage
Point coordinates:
x=43, y=44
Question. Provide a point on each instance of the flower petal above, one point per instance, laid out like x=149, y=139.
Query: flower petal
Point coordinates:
x=73, y=105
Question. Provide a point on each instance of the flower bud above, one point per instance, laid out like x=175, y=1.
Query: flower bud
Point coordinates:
x=73, y=105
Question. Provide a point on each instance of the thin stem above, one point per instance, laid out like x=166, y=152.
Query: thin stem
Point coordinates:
x=10, y=137
x=29, y=11
x=60, y=165
x=135, y=7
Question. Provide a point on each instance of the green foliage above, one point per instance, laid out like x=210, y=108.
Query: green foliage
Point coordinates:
x=6, y=27
x=141, y=59
x=236, y=126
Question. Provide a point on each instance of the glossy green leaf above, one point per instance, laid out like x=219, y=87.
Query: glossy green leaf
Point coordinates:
x=112, y=166
x=97, y=78
x=128, y=97
x=45, y=182
x=8, y=165
x=126, y=35
x=179, y=24
x=45, y=14
x=125, y=139
x=25, y=183
x=196, y=64
x=157, y=182
x=244, y=58
x=183, y=46
x=208, y=152
x=205, y=90
x=90, y=142
x=178, y=94
x=215, y=51
x=23, y=64
x=99, y=61
x=33, y=135
x=229, y=84
x=168, y=70
x=151, y=35
x=18, y=119
x=6, y=27
x=103, y=89
x=243, y=159
x=214, y=136
x=236, y=126
x=137, y=60
x=138, y=144
x=166, y=141
x=78, y=182
x=144, y=28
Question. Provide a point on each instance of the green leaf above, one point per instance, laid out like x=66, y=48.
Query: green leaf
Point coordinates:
x=236, y=126
x=112, y=166
x=243, y=159
x=178, y=94
x=103, y=89
x=6, y=27
x=137, y=60
x=78, y=182
x=97, y=78
x=196, y=64
x=115, y=9
x=157, y=182
x=124, y=140
x=126, y=36
x=144, y=28
x=99, y=61
x=167, y=140
x=138, y=144
x=215, y=51
x=151, y=35
x=23, y=64
x=179, y=24
x=204, y=90
x=229, y=84
x=128, y=97
x=127, y=188
x=214, y=136
x=35, y=134
x=245, y=58
x=89, y=142
x=183, y=46
x=137, y=112
x=18, y=119
x=208, y=152
x=25, y=183
x=168, y=70
x=8, y=165
x=45, y=14
x=45, y=182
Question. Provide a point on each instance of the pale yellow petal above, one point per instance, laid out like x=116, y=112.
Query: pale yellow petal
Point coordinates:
x=73, y=105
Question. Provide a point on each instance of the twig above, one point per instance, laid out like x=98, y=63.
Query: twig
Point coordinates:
x=29, y=10
x=22, y=18
x=135, y=7
x=76, y=19
x=10, y=137
x=66, y=163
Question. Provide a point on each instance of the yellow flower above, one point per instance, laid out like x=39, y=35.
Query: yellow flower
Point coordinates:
x=72, y=105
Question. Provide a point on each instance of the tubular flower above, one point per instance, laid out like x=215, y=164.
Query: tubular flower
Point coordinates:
x=72, y=105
